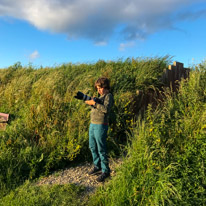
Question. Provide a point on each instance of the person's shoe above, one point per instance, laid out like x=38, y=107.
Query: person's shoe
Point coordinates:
x=94, y=171
x=103, y=176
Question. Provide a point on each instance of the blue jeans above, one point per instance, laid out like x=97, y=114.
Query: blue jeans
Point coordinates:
x=98, y=147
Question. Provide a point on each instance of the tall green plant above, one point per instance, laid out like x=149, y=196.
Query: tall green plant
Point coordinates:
x=166, y=160
x=48, y=127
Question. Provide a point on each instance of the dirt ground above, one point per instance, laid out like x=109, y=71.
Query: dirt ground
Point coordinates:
x=78, y=175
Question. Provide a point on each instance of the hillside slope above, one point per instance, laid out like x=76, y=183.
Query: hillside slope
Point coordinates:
x=48, y=127
x=166, y=159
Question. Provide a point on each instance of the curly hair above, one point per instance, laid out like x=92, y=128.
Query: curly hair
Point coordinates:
x=102, y=82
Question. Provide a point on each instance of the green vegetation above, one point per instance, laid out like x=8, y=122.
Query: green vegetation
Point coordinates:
x=166, y=160
x=31, y=195
x=48, y=129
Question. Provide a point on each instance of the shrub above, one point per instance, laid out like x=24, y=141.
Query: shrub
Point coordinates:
x=48, y=127
x=166, y=159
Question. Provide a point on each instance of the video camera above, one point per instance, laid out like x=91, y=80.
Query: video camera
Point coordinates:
x=84, y=97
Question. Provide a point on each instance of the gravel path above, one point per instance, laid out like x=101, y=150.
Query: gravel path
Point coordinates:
x=79, y=175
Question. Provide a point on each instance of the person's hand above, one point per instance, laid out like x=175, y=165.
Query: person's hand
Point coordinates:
x=90, y=102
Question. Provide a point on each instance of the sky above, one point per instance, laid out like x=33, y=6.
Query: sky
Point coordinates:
x=49, y=33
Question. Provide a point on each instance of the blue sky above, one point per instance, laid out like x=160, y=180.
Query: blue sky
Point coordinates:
x=53, y=32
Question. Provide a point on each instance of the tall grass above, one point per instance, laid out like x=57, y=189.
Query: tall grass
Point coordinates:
x=45, y=195
x=48, y=127
x=167, y=157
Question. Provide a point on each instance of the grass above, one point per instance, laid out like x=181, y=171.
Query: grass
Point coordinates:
x=46, y=195
x=48, y=129
x=166, y=159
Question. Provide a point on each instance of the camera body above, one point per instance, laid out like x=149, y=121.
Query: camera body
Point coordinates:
x=84, y=97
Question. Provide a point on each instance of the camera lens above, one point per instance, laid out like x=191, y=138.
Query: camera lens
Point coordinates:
x=85, y=98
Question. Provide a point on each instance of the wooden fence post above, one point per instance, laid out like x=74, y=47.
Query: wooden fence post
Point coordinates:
x=173, y=75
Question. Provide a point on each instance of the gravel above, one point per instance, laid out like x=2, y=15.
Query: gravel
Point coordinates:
x=78, y=175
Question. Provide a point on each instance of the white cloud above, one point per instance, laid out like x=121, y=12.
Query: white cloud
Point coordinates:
x=98, y=19
x=123, y=46
x=101, y=43
x=34, y=55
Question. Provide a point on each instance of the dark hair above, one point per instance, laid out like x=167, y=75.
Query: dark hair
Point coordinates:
x=102, y=82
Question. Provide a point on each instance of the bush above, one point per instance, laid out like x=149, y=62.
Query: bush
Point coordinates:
x=48, y=128
x=166, y=159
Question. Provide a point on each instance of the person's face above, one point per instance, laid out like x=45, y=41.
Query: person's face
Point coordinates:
x=101, y=90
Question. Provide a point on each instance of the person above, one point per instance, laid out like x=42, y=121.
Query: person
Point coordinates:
x=98, y=128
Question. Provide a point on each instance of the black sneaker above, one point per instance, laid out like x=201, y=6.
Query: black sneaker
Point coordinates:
x=103, y=176
x=94, y=171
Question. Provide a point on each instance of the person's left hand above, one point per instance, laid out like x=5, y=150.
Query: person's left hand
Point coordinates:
x=90, y=102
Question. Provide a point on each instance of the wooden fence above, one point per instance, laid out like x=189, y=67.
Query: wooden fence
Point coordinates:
x=174, y=74
x=171, y=78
